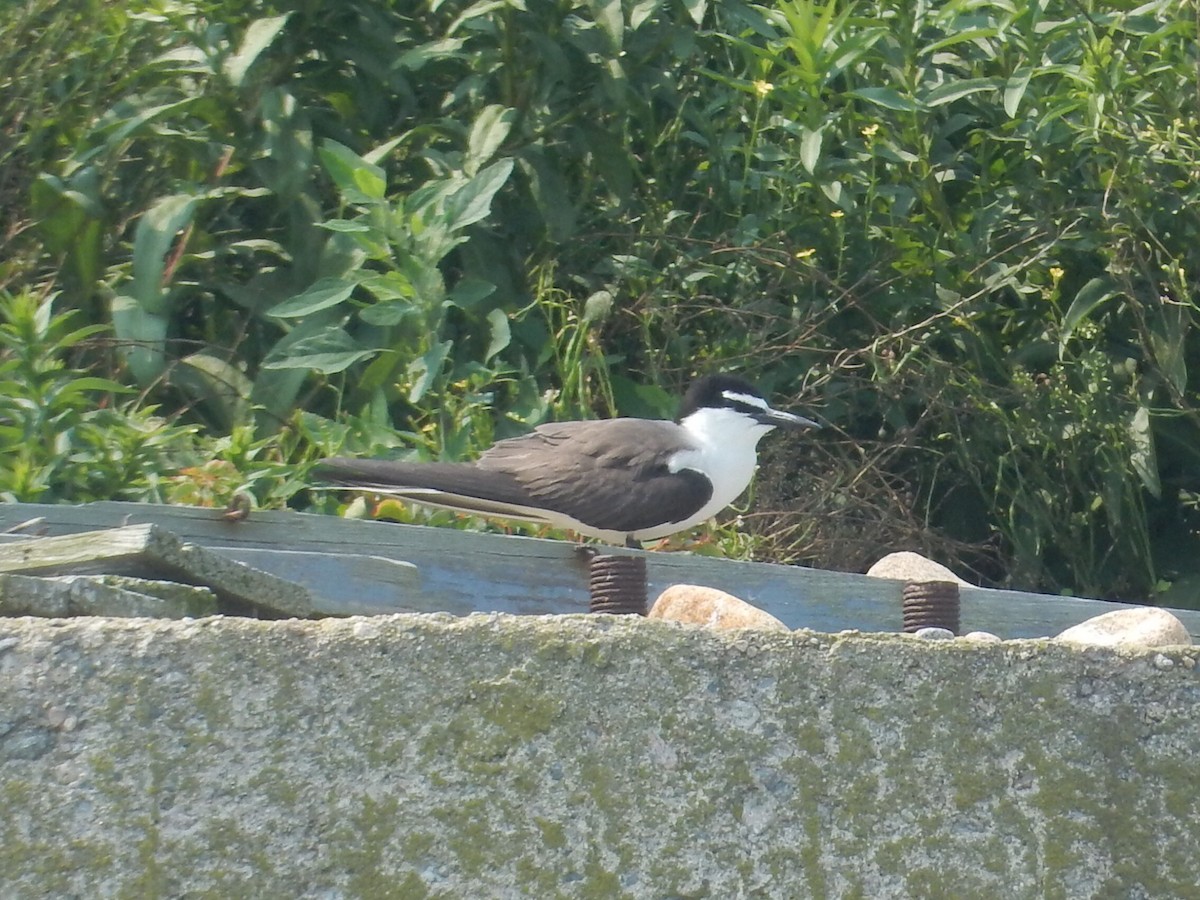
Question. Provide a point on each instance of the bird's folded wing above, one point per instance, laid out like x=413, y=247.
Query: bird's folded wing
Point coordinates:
x=609, y=474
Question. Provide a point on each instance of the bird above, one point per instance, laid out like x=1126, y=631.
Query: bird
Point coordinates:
x=622, y=480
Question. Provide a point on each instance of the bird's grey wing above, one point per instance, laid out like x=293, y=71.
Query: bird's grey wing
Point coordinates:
x=455, y=485
x=593, y=467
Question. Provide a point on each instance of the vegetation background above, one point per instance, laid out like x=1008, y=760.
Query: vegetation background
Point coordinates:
x=235, y=237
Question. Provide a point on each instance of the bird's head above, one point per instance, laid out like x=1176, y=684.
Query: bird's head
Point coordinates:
x=736, y=400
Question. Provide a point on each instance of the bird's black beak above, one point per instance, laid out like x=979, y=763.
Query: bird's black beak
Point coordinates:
x=782, y=419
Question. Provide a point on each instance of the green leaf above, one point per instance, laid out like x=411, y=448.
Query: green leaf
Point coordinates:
x=62, y=208
x=156, y=232
x=1014, y=89
x=810, y=148
x=286, y=160
x=381, y=152
x=1089, y=298
x=958, y=37
x=387, y=286
x=143, y=337
x=218, y=383
x=415, y=58
x=359, y=180
x=317, y=296
x=611, y=19
x=641, y=11
x=597, y=306
x=130, y=115
x=426, y=370
x=1168, y=341
x=92, y=383
x=473, y=201
x=696, y=9
x=501, y=334
x=956, y=90
x=470, y=291
x=275, y=390
x=345, y=226
x=385, y=315
x=477, y=10
x=259, y=36
x=488, y=132
x=550, y=192
x=1143, y=458
x=887, y=98
x=611, y=161
x=78, y=336
x=329, y=351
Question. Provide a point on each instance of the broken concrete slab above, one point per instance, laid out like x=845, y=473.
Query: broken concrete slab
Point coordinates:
x=150, y=550
x=84, y=595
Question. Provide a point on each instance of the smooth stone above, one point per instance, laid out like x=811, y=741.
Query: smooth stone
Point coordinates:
x=707, y=606
x=1138, y=626
x=984, y=636
x=909, y=566
x=933, y=633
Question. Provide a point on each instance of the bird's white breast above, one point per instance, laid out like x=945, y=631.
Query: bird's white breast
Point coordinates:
x=723, y=451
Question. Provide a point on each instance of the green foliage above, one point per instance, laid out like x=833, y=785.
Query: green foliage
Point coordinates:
x=66, y=438
x=967, y=231
x=57, y=65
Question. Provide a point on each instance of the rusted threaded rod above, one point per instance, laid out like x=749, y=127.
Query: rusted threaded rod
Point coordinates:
x=617, y=584
x=931, y=604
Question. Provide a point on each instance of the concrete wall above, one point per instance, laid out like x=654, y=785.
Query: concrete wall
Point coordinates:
x=492, y=756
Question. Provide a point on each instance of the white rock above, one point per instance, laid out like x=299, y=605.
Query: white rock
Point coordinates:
x=1137, y=626
x=932, y=633
x=982, y=636
x=708, y=606
x=908, y=566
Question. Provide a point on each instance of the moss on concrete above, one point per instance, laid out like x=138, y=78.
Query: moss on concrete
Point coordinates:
x=428, y=756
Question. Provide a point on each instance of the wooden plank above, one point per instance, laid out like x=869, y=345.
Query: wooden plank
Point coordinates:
x=462, y=572
x=150, y=549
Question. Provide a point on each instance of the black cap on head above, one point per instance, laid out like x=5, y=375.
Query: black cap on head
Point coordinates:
x=712, y=391
x=732, y=392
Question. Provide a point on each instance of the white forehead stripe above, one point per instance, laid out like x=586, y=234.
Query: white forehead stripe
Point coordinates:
x=748, y=399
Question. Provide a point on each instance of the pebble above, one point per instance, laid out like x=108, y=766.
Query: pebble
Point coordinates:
x=985, y=636
x=934, y=634
x=1163, y=663
x=365, y=630
x=1137, y=626
x=707, y=606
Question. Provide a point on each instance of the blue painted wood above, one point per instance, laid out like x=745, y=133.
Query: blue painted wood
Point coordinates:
x=360, y=567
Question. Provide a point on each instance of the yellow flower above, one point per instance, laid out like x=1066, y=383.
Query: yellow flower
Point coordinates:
x=1056, y=275
x=869, y=131
x=836, y=214
x=762, y=88
x=805, y=254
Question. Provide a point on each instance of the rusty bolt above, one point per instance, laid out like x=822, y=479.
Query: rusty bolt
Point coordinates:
x=617, y=584
x=931, y=604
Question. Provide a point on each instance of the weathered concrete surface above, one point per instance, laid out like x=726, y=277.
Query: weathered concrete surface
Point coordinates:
x=492, y=756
